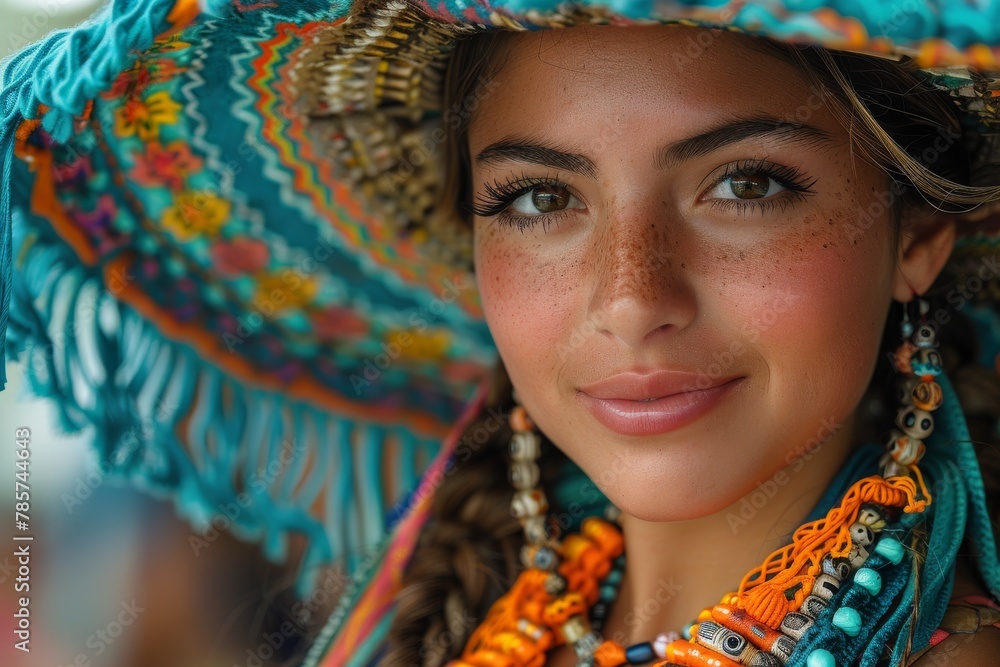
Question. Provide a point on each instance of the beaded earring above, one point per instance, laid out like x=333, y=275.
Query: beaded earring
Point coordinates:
x=529, y=504
x=918, y=362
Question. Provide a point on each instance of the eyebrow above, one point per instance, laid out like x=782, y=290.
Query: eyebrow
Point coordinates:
x=518, y=149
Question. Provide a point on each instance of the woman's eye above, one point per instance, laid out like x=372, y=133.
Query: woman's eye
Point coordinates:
x=753, y=185
x=544, y=199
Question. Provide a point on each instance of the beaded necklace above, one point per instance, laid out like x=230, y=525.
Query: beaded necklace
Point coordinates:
x=815, y=586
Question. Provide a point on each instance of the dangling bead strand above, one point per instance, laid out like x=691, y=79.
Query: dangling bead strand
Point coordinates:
x=919, y=363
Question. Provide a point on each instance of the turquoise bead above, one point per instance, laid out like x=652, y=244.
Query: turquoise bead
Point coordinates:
x=868, y=579
x=848, y=620
x=614, y=577
x=608, y=593
x=891, y=549
x=821, y=658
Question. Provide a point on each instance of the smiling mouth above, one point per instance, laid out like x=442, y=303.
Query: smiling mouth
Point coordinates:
x=658, y=414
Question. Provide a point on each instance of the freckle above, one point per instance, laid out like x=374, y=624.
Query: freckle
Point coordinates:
x=831, y=221
x=825, y=245
x=683, y=265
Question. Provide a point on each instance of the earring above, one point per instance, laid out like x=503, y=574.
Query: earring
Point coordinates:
x=918, y=362
x=529, y=504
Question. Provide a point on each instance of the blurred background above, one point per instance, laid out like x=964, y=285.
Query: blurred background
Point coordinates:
x=116, y=579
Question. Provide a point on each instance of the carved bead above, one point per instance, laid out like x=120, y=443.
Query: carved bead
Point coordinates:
x=795, y=625
x=872, y=517
x=540, y=557
x=760, y=635
x=924, y=336
x=525, y=446
x=858, y=556
x=813, y=606
x=529, y=503
x=915, y=422
x=728, y=643
x=524, y=475
x=926, y=362
x=535, y=530
x=927, y=395
x=826, y=586
x=861, y=534
x=905, y=450
x=838, y=568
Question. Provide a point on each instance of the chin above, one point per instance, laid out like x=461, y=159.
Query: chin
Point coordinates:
x=659, y=500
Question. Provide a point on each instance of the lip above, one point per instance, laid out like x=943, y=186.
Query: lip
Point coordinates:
x=662, y=415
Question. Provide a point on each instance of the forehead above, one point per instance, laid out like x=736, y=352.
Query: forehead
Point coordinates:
x=683, y=76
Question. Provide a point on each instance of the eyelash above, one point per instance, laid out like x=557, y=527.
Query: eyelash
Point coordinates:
x=502, y=195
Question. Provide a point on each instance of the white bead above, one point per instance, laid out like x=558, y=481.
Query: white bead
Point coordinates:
x=525, y=446
x=861, y=534
x=534, y=529
x=871, y=518
x=825, y=586
x=528, y=503
x=915, y=422
x=524, y=474
x=858, y=556
x=795, y=625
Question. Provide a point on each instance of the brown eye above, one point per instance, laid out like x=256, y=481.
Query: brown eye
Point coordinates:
x=544, y=199
x=749, y=186
x=549, y=198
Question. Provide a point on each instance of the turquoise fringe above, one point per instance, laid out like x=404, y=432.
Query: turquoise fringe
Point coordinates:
x=62, y=71
x=107, y=368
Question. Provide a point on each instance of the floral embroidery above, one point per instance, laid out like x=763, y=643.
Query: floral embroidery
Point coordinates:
x=73, y=177
x=340, y=323
x=97, y=221
x=240, y=255
x=134, y=81
x=285, y=290
x=144, y=117
x=196, y=213
x=430, y=346
x=165, y=166
x=168, y=44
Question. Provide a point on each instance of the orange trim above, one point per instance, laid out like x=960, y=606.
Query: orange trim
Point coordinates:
x=183, y=12
x=44, y=201
x=208, y=346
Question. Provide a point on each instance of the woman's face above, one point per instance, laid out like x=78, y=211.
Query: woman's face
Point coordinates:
x=745, y=260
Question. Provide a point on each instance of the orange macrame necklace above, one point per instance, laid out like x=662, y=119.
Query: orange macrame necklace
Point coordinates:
x=758, y=624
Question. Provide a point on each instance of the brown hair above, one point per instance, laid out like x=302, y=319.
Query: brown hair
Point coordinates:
x=467, y=555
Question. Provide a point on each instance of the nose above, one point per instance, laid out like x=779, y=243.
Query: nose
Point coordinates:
x=641, y=289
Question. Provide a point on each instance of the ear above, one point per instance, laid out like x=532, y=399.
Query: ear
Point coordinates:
x=925, y=244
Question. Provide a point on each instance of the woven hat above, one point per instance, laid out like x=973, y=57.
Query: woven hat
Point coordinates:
x=220, y=249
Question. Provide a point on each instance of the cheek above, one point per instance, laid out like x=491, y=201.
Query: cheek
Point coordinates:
x=814, y=306
x=526, y=300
